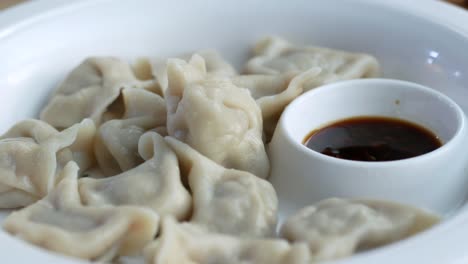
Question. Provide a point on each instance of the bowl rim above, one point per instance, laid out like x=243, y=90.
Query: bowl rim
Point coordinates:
x=379, y=83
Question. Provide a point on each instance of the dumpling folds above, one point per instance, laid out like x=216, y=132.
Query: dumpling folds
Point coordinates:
x=143, y=103
x=336, y=228
x=155, y=184
x=143, y=71
x=117, y=140
x=215, y=117
x=226, y=200
x=274, y=92
x=215, y=65
x=116, y=146
x=274, y=55
x=32, y=154
x=88, y=90
x=190, y=244
x=60, y=223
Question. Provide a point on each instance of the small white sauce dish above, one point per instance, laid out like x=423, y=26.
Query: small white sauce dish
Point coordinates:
x=435, y=181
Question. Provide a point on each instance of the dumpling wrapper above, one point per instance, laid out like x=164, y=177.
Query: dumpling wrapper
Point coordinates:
x=32, y=154
x=215, y=65
x=226, y=200
x=135, y=102
x=88, y=90
x=30, y=128
x=117, y=139
x=142, y=103
x=336, y=228
x=143, y=71
x=215, y=117
x=273, y=55
x=274, y=92
x=155, y=184
x=117, y=143
x=60, y=223
x=190, y=244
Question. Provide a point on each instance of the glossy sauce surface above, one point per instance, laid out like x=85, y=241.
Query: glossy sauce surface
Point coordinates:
x=372, y=139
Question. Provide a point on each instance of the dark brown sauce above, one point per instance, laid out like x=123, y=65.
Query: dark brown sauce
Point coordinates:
x=372, y=139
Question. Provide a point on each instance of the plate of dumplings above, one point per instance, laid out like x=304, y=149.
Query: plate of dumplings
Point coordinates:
x=138, y=132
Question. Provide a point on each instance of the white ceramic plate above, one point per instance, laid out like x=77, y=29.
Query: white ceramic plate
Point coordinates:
x=420, y=41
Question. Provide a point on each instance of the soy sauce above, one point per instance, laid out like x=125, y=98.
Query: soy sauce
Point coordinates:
x=372, y=139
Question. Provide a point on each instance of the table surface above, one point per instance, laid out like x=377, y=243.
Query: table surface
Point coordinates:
x=8, y=3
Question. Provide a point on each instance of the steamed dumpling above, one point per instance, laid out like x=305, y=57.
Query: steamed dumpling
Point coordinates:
x=32, y=154
x=143, y=103
x=274, y=92
x=155, y=184
x=30, y=128
x=60, y=223
x=117, y=139
x=227, y=200
x=215, y=117
x=215, y=65
x=274, y=55
x=88, y=90
x=336, y=228
x=117, y=143
x=188, y=243
x=136, y=102
x=143, y=71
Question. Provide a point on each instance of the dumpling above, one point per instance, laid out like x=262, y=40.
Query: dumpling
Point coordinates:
x=226, y=200
x=143, y=103
x=81, y=150
x=274, y=92
x=215, y=65
x=215, y=117
x=88, y=90
x=32, y=154
x=274, y=55
x=117, y=140
x=82, y=135
x=30, y=128
x=155, y=184
x=336, y=228
x=60, y=223
x=143, y=71
x=191, y=244
x=12, y=197
x=135, y=102
x=117, y=143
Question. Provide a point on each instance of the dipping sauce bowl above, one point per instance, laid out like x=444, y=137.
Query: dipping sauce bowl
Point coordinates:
x=436, y=181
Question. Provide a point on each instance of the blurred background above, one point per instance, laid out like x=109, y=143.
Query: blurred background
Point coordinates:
x=462, y=3
x=8, y=3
